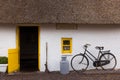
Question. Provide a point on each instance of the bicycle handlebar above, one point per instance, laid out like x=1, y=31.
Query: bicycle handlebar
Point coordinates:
x=86, y=45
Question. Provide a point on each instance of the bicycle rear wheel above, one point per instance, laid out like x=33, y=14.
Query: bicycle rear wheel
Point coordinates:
x=112, y=61
x=79, y=63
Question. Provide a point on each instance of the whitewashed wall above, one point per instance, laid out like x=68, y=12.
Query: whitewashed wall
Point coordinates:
x=96, y=35
x=7, y=38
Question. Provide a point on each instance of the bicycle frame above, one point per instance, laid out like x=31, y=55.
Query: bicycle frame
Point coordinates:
x=95, y=58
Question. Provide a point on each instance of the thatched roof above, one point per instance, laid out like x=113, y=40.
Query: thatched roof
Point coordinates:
x=60, y=11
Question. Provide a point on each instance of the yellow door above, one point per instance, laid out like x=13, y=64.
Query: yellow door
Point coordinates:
x=13, y=60
x=14, y=55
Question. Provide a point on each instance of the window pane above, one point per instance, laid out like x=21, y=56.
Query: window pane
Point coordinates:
x=66, y=42
x=66, y=47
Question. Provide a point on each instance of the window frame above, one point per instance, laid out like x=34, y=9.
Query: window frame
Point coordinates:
x=69, y=45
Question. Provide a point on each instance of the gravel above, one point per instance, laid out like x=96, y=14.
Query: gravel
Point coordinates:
x=87, y=75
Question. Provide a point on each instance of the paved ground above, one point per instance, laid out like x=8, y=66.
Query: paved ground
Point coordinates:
x=88, y=75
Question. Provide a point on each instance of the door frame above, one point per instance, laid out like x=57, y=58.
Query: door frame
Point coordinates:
x=18, y=41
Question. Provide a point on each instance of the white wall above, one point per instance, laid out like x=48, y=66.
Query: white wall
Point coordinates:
x=7, y=38
x=96, y=35
x=103, y=35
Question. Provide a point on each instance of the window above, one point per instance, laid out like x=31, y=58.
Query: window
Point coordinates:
x=66, y=45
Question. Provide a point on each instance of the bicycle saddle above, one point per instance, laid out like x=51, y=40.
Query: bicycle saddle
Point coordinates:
x=99, y=47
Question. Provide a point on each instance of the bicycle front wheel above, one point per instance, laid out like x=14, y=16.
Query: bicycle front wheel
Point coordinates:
x=111, y=64
x=79, y=63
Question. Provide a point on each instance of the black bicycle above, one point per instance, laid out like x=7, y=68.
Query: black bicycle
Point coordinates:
x=105, y=60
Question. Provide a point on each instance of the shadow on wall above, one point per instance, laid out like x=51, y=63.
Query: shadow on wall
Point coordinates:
x=99, y=27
